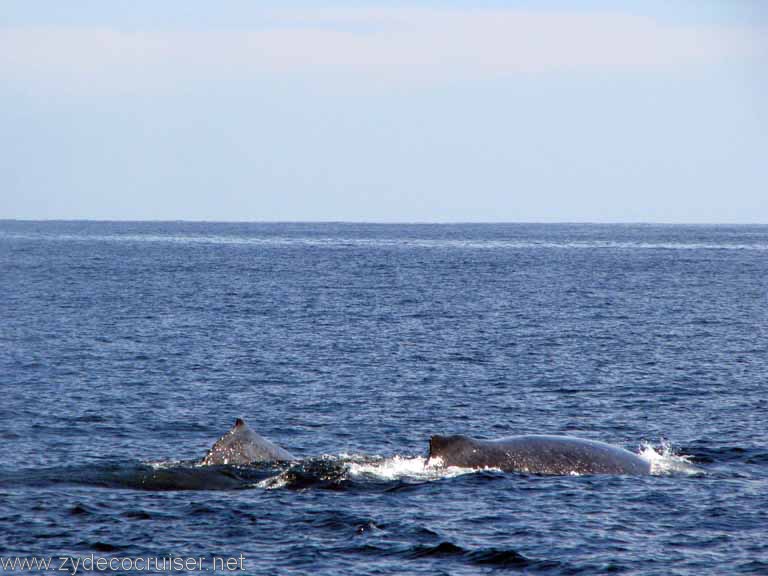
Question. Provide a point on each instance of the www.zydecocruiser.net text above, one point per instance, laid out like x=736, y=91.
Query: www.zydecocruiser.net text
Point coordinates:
x=147, y=564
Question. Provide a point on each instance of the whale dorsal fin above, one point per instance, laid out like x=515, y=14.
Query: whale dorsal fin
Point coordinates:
x=438, y=444
x=241, y=445
x=435, y=444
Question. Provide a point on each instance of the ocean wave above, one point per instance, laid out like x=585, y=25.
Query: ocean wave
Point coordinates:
x=390, y=243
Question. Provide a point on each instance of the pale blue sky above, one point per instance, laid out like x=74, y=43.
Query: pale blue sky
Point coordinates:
x=384, y=111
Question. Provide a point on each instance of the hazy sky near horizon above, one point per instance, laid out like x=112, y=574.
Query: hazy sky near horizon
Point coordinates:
x=451, y=111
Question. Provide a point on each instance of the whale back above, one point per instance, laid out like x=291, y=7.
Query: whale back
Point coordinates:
x=562, y=455
x=241, y=445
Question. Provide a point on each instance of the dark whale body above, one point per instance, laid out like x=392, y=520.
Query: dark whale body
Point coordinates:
x=560, y=455
x=241, y=445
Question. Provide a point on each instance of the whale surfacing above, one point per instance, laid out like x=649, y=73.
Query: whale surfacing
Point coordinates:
x=536, y=454
x=241, y=445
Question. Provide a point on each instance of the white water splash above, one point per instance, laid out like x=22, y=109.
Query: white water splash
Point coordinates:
x=273, y=482
x=664, y=461
x=398, y=467
x=164, y=464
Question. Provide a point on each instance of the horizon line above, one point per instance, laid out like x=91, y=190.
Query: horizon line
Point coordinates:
x=389, y=222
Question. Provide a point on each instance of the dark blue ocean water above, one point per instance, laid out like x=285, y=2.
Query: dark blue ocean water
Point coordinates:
x=126, y=349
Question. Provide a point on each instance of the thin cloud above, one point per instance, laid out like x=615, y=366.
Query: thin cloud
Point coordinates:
x=376, y=44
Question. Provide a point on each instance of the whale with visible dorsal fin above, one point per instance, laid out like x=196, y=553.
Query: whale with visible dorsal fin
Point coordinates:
x=563, y=455
x=241, y=445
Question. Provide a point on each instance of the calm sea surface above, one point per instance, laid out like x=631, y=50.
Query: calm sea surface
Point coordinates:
x=127, y=349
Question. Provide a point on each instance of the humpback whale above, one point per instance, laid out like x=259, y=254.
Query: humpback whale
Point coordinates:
x=534, y=454
x=241, y=445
